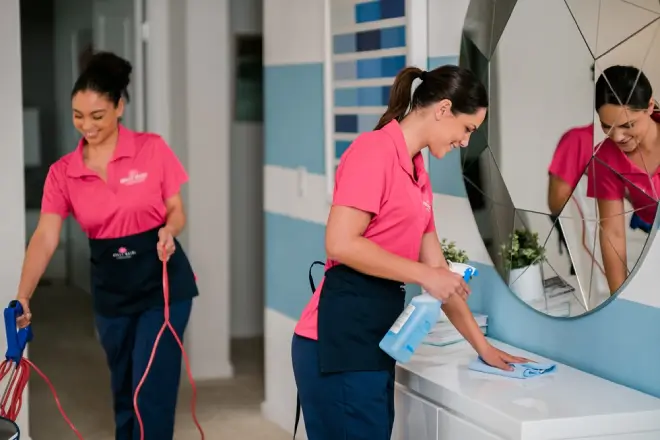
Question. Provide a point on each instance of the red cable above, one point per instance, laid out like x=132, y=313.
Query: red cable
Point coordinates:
x=16, y=387
x=167, y=325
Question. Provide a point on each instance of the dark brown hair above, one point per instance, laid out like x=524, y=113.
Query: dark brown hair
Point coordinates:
x=457, y=84
x=623, y=85
x=105, y=73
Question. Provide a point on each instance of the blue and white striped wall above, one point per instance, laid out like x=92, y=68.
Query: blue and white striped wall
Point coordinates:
x=617, y=342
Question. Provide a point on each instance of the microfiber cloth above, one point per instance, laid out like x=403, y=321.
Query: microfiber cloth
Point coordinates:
x=520, y=371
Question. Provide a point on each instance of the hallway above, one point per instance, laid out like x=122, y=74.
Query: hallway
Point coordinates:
x=65, y=348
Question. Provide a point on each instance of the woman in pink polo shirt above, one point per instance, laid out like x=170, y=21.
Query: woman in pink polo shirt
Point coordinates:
x=569, y=163
x=122, y=187
x=381, y=234
x=627, y=164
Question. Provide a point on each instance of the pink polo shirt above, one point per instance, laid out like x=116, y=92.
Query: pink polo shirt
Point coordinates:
x=142, y=174
x=375, y=175
x=573, y=154
x=613, y=174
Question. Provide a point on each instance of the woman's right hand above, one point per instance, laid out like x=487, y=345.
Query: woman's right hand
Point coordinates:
x=26, y=318
x=441, y=283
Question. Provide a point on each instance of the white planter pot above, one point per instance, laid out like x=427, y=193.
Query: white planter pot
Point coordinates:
x=527, y=282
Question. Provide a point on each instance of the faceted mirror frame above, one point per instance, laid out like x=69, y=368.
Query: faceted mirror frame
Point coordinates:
x=539, y=60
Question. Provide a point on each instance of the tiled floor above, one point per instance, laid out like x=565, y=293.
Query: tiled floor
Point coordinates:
x=66, y=349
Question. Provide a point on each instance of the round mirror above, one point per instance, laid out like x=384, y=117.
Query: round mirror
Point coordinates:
x=563, y=175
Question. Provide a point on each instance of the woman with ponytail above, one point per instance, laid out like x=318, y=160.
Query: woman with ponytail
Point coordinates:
x=626, y=164
x=380, y=236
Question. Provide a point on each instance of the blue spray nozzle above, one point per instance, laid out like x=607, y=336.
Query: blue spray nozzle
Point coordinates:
x=17, y=339
x=465, y=270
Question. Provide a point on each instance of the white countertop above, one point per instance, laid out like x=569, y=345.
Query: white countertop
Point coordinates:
x=569, y=403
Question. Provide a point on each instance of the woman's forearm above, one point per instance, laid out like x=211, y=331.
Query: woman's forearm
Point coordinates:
x=367, y=257
x=613, y=250
x=176, y=221
x=459, y=314
x=37, y=256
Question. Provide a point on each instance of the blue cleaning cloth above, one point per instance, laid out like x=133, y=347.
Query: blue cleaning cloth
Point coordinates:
x=520, y=371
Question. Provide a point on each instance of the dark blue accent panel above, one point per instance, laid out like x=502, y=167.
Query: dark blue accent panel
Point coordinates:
x=392, y=8
x=368, y=40
x=346, y=123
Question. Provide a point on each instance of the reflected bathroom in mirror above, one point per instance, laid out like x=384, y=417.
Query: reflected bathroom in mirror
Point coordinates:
x=562, y=176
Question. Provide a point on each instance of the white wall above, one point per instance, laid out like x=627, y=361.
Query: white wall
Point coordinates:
x=247, y=292
x=12, y=197
x=208, y=116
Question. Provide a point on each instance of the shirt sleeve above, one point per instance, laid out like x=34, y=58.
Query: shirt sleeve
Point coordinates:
x=55, y=199
x=362, y=176
x=567, y=162
x=603, y=182
x=174, y=174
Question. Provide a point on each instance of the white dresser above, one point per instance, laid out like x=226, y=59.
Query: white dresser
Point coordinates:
x=438, y=398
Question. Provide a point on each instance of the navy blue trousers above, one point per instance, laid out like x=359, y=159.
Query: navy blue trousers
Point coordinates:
x=356, y=405
x=128, y=341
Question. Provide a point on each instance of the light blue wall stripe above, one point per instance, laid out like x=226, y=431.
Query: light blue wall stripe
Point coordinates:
x=442, y=61
x=447, y=175
x=294, y=116
x=615, y=343
x=291, y=247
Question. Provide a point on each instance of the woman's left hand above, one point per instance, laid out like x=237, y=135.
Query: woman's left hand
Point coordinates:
x=500, y=359
x=165, y=245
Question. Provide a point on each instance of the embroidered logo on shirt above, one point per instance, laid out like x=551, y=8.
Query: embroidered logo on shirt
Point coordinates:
x=427, y=205
x=123, y=254
x=134, y=176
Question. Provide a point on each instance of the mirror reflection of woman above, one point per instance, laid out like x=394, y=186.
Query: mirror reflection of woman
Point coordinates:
x=632, y=149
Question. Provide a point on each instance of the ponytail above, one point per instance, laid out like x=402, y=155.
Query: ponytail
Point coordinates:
x=400, y=96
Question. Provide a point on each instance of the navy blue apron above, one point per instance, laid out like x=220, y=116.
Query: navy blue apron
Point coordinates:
x=355, y=312
x=637, y=223
x=127, y=275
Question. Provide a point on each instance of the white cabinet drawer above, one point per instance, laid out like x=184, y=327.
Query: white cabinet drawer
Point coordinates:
x=419, y=419
x=451, y=427
x=415, y=419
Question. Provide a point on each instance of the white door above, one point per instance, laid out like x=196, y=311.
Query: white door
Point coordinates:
x=115, y=30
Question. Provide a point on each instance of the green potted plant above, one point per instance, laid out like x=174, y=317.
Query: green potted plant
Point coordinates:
x=453, y=253
x=523, y=256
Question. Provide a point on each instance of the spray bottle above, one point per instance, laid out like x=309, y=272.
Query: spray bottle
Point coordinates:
x=416, y=321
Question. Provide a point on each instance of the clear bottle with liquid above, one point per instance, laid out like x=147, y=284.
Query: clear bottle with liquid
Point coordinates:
x=417, y=320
